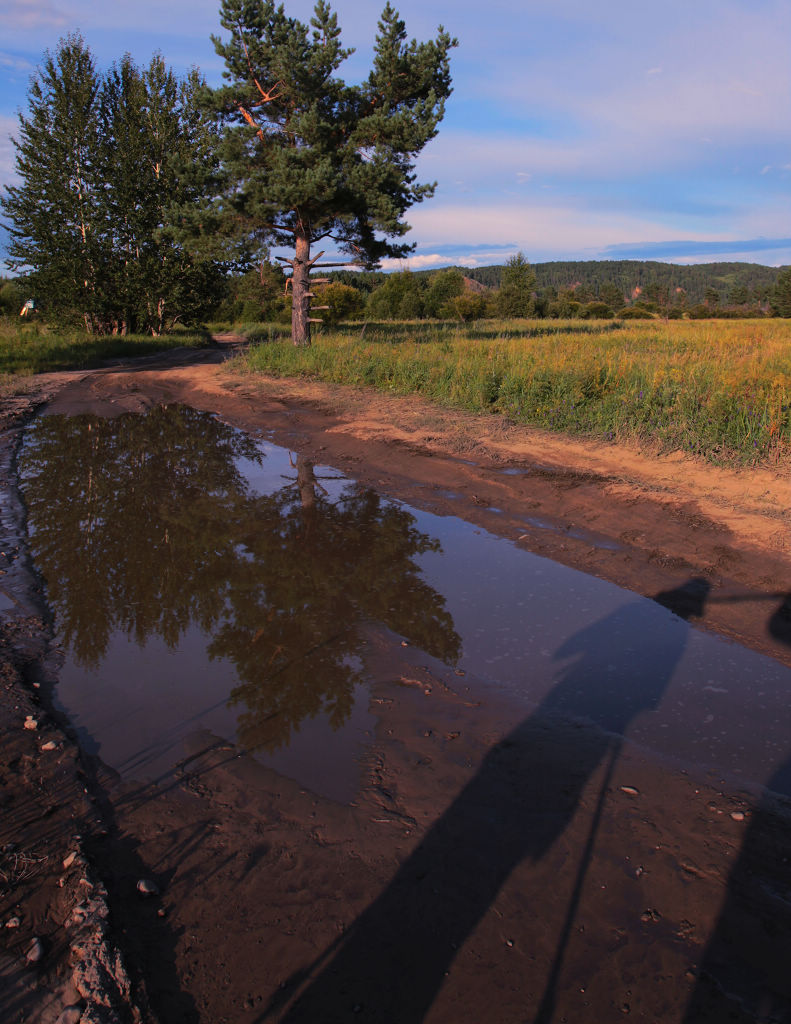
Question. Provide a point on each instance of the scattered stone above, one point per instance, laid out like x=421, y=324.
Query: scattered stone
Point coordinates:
x=650, y=915
x=49, y=745
x=162, y=912
x=70, y=859
x=509, y=943
x=630, y=790
x=30, y=722
x=147, y=888
x=13, y=922
x=737, y=815
x=35, y=951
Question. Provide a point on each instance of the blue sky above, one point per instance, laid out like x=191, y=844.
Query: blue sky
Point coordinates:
x=575, y=131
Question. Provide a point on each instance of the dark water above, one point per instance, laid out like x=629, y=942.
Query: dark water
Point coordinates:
x=203, y=580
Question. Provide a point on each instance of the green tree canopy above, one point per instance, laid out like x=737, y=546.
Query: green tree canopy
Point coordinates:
x=516, y=288
x=310, y=158
x=781, y=296
x=100, y=160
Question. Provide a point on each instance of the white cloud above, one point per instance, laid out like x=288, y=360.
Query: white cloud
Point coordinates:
x=23, y=15
x=539, y=228
x=15, y=63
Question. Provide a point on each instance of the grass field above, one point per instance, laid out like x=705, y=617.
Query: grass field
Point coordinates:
x=32, y=348
x=718, y=389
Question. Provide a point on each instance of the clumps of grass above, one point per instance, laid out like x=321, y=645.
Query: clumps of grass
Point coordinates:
x=721, y=391
x=35, y=348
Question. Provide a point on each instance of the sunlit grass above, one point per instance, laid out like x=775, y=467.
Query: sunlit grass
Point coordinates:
x=33, y=348
x=718, y=389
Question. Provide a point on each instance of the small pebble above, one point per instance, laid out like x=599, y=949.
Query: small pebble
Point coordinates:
x=737, y=815
x=30, y=722
x=12, y=922
x=49, y=745
x=630, y=790
x=69, y=860
x=147, y=888
x=34, y=952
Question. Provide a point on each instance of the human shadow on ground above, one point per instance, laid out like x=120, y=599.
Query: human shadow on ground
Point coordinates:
x=393, y=959
x=744, y=974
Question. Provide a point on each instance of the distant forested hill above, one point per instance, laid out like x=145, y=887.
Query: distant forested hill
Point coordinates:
x=730, y=280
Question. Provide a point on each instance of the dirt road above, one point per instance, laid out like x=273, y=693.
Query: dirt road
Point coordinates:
x=624, y=887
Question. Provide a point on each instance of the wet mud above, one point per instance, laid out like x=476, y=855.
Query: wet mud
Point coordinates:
x=551, y=799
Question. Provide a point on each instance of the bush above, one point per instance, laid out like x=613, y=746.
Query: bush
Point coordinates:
x=636, y=312
x=597, y=311
x=345, y=303
x=470, y=306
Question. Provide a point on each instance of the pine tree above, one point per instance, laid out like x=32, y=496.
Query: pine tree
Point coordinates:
x=516, y=290
x=781, y=295
x=310, y=158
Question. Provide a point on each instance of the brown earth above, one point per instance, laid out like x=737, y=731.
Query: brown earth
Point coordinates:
x=487, y=870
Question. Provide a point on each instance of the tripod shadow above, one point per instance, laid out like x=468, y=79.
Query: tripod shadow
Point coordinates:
x=392, y=961
x=744, y=972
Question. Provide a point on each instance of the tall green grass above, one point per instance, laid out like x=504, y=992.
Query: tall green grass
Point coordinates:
x=721, y=390
x=33, y=348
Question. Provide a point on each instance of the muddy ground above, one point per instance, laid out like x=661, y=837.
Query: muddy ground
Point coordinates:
x=493, y=867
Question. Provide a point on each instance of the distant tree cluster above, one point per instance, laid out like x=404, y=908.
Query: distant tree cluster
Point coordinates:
x=589, y=290
x=106, y=163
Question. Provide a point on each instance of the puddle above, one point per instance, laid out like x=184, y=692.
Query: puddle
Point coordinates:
x=205, y=580
x=595, y=540
x=201, y=579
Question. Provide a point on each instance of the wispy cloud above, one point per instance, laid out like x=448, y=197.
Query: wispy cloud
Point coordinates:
x=687, y=249
x=23, y=15
x=13, y=62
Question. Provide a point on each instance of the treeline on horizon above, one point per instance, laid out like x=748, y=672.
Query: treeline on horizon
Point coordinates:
x=563, y=289
x=631, y=281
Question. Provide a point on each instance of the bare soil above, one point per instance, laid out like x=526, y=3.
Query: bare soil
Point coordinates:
x=491, y=868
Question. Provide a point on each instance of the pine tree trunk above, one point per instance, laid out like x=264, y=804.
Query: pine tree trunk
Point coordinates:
x=300, y=288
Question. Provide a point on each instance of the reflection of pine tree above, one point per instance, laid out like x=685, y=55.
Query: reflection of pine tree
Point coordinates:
x=147, y=526
x=316, y=572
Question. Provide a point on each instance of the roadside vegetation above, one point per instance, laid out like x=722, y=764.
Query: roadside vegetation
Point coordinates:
x=719, y=390
x=34, y=347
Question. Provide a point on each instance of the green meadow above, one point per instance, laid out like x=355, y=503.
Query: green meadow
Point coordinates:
x=717, y=389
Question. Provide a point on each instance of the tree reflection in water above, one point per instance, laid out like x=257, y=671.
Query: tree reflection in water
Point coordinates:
x=147, y=525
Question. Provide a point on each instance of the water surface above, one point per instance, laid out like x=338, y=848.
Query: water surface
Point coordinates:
x=202, y=579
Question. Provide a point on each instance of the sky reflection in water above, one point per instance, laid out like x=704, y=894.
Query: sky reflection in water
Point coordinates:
x=205, y=581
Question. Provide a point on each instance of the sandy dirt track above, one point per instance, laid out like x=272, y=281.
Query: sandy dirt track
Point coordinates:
x=619, y=887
